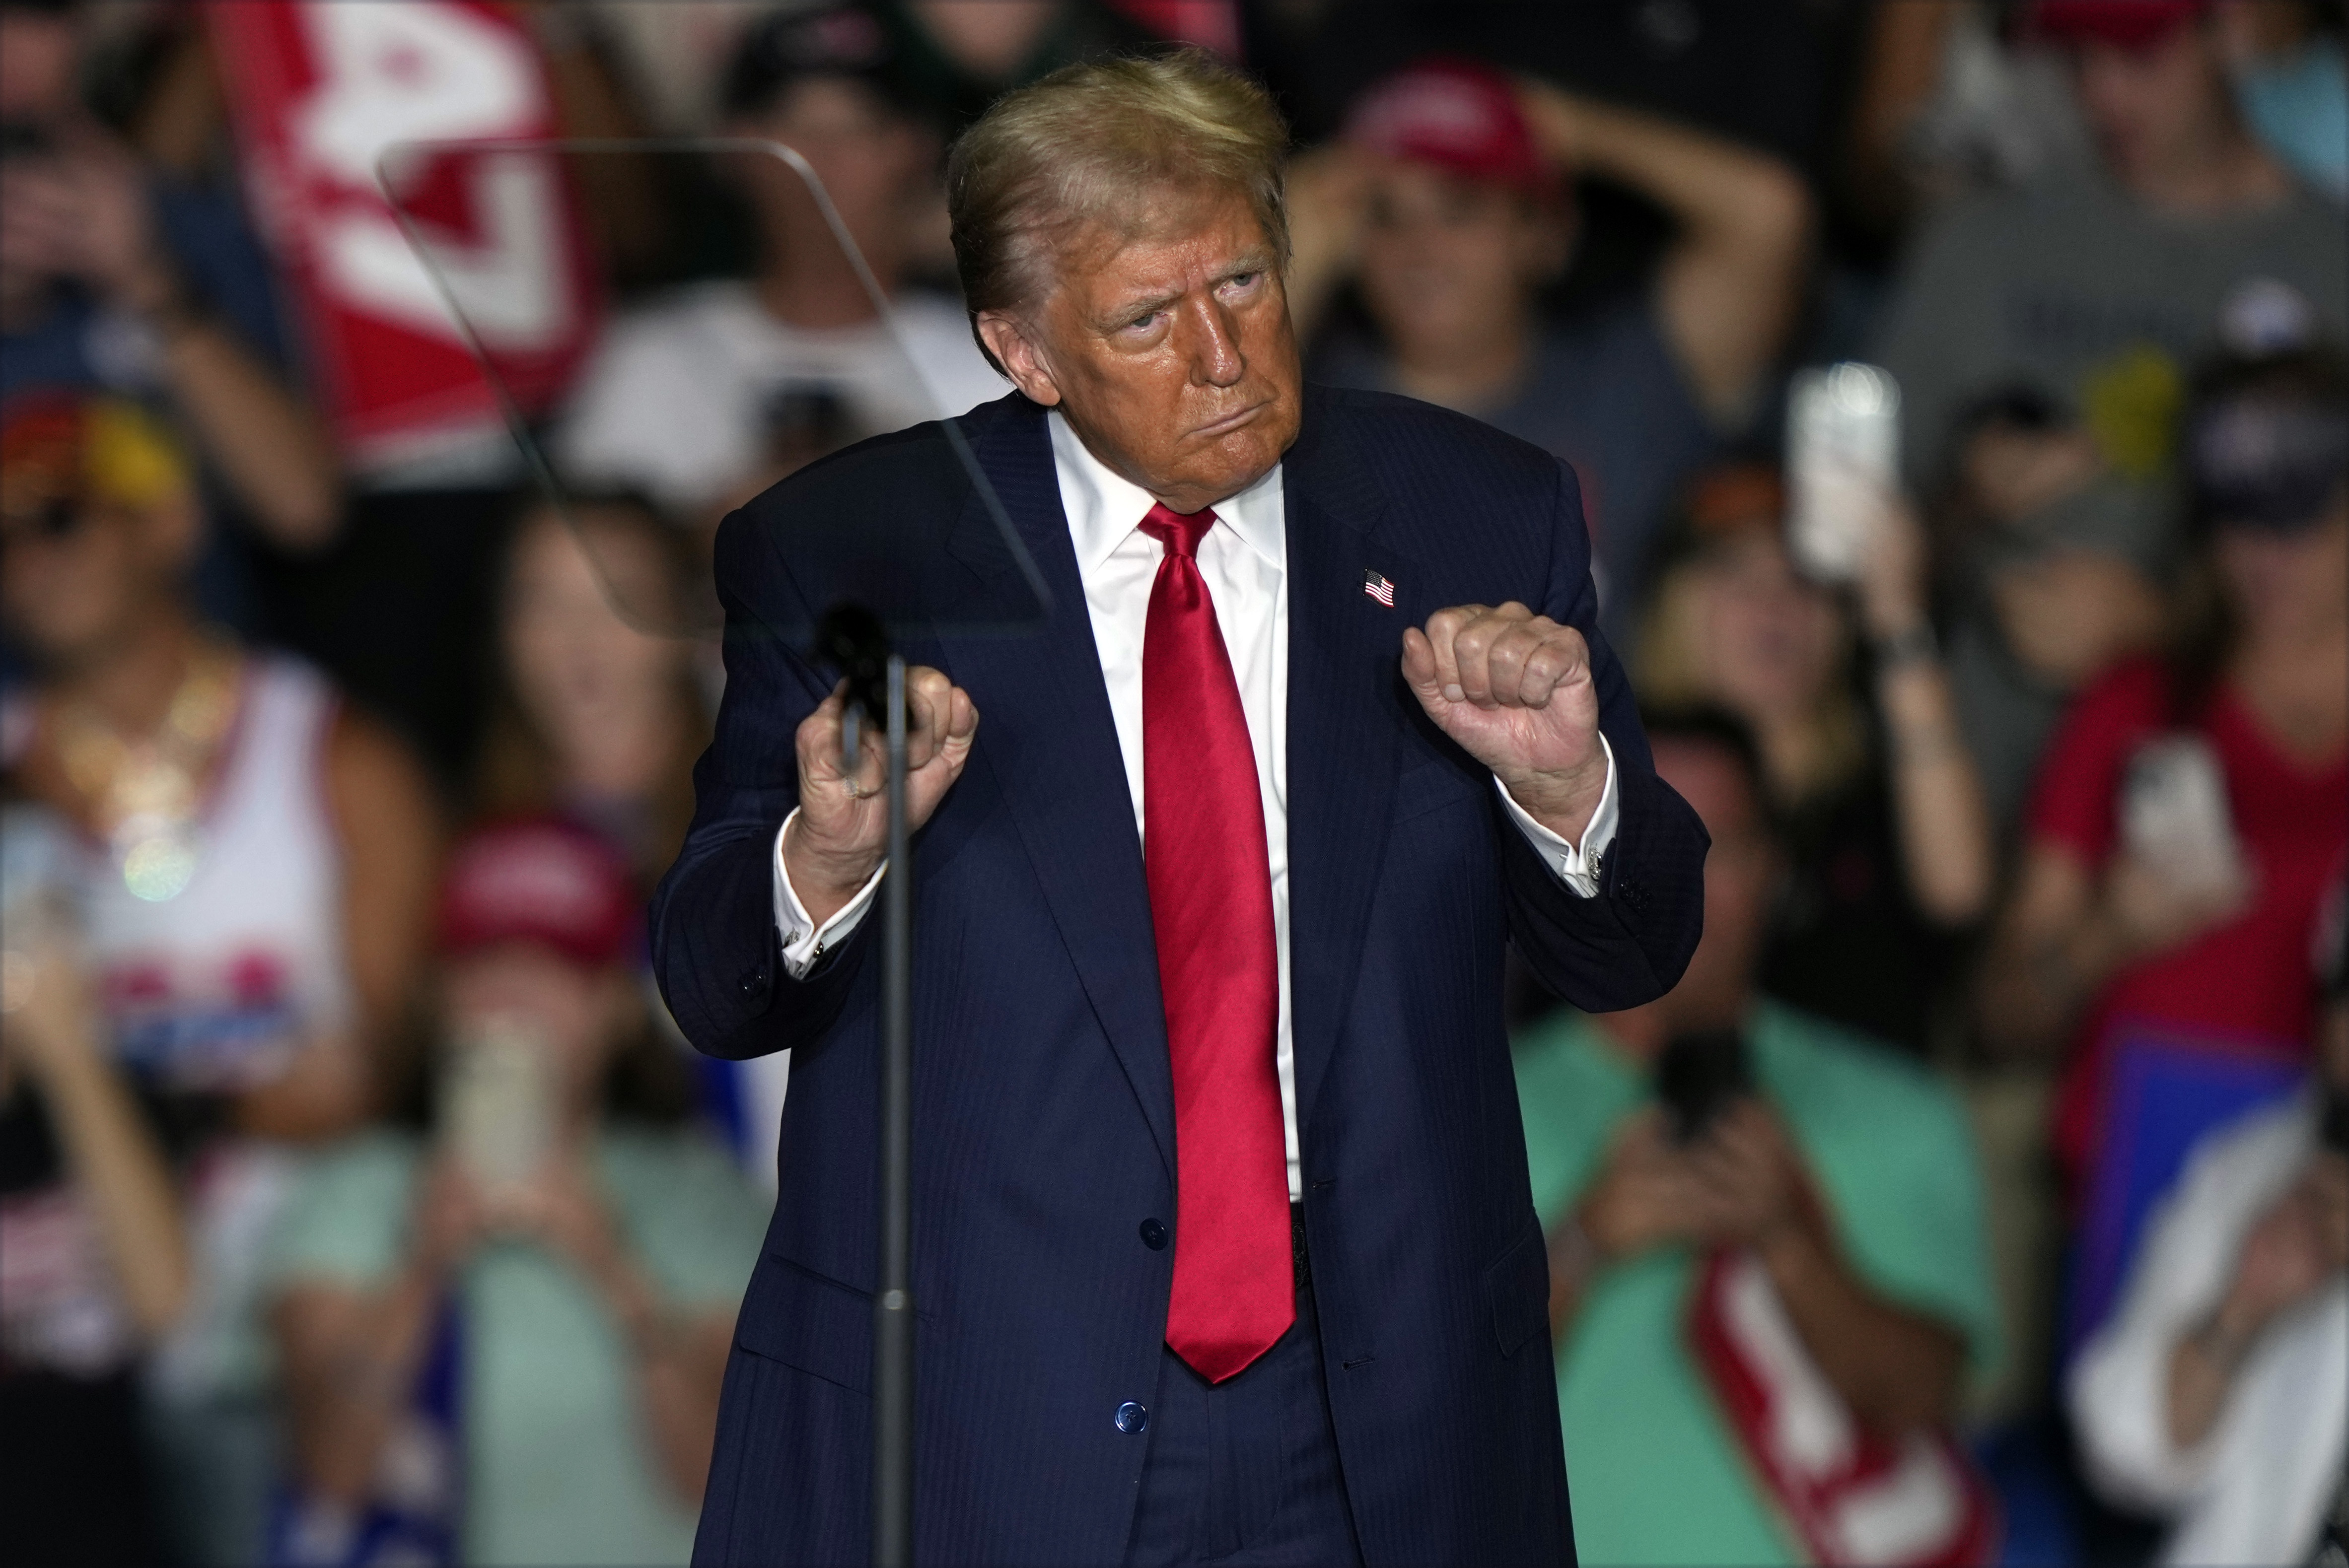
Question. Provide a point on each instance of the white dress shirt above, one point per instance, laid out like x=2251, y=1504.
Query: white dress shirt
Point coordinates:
x=1245, y=560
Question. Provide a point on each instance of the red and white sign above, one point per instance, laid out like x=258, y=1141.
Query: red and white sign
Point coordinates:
x=1854, y=1497
x=319, y=92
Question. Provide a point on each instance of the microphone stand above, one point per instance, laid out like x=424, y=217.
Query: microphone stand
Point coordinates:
x=854, y=639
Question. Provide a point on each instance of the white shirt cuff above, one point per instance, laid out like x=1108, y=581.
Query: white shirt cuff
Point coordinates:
x=805, y=942
x=1577, y=868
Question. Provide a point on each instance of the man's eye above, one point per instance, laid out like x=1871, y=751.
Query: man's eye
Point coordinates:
x=1141, y=323
x=1243, y=280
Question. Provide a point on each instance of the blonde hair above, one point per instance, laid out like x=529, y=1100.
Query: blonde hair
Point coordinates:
x=1087, y=146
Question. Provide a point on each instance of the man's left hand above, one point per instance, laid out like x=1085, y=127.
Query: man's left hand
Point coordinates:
x=1515, y=689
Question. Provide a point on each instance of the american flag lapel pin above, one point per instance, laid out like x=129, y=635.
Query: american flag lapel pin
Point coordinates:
x=1378, y=588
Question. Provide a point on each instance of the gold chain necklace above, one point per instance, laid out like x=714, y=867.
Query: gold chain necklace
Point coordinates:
x=145, y=791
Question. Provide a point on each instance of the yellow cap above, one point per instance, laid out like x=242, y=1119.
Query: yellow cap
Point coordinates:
x=90, y=444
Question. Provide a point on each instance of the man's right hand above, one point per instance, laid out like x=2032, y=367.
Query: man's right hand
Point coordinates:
x=843, y=830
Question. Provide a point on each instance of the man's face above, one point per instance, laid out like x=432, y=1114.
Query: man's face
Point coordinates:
x=867, y=155
x=2286, y=582
x=1447, y=261
x=1170, y=351
x=2149, y=105
x=81, y=575
x=1741, y=871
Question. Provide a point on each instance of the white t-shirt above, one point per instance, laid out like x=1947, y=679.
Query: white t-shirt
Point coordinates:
x=674, y=399
x=215, y=989
x=2255, y=1488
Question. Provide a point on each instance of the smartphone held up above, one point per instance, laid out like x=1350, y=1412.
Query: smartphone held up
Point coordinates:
x=2174, y=814
x=1843, y=456
x=497, y=1102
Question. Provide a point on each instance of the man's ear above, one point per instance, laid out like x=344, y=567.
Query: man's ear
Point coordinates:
x=1008, y=340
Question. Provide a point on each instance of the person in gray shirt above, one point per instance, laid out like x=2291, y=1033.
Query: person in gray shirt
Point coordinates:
x=1447, y=203
x=2041, y=336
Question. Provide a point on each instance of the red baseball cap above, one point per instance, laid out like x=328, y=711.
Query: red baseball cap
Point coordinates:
x=538, y=880
x=2125, y=24
x=1458, y=114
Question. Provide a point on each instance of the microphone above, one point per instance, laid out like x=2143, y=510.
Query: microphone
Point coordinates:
x=853, y=640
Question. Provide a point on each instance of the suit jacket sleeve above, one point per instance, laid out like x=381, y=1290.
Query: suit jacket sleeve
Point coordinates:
x=1629, y=943
x=715, y=948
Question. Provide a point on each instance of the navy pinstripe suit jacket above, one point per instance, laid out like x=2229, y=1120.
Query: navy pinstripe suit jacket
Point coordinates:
x=1044, y=1118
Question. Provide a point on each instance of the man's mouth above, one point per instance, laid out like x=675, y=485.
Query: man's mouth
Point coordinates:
x=1229, y=422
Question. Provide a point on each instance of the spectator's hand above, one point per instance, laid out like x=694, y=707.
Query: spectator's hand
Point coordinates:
x=2069, y=613
x=1556, y=120
x=451, y=1218
x=1327, y=195
x=84, y=214
x=36, y=236
x=1645, y=1195
x=2326, y=1185
x=2009, y=473
x=1752, y=1184
x=842, y=833
x=2149, y=910
x=562, y=1210
x=2298, y=1244
x=1892, y=565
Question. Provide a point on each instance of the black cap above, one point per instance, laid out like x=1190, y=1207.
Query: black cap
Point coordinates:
x=2270, y=462
x=846, y=42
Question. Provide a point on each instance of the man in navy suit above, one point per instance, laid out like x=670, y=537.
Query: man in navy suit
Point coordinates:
x=1223, y=1247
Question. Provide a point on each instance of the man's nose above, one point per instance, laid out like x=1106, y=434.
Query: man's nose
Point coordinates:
x=1216, y=357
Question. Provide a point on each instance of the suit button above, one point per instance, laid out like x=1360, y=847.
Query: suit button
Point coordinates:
x=755, y=981
x=1131, y=1418
x=1153, y=1235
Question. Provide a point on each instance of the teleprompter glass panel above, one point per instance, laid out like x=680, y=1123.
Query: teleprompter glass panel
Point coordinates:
x=758, y=341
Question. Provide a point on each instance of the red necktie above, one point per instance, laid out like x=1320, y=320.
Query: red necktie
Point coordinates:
x=1211, y=907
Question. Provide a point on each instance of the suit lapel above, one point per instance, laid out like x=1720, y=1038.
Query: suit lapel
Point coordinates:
x=1047, y=734
x=1343, y=727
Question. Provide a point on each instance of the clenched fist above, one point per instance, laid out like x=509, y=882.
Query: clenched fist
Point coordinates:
x=843, y=830
x=1515, y=689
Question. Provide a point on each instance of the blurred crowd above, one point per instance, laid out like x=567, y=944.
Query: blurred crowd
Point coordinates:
x=1958, y=394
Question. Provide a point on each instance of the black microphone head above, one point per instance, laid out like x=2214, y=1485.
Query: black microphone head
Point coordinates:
x=851, y=638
